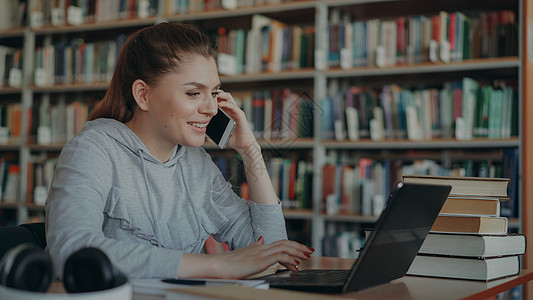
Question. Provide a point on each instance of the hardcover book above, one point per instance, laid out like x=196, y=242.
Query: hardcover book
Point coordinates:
x=483, y=269
x=470, y=224
x=466, y=186
x=474, y=245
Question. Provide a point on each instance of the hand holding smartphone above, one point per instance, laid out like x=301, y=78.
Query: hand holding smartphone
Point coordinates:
x=220, y=128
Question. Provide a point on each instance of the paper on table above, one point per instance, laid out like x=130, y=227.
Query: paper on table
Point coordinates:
x=156, y=286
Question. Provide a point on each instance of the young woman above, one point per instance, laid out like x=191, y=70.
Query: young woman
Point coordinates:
x=136, y=183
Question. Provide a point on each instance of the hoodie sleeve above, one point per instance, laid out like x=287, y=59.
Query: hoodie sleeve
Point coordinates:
x=246, y=222
x=75, y=215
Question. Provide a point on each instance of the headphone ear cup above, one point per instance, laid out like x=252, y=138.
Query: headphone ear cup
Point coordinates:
x=89, y=270
x=26, y=267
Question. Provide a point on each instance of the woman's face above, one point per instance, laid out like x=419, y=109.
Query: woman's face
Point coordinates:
x=181, y=104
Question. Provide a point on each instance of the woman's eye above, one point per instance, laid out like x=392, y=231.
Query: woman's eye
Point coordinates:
x=214, y=94
x=193, y=94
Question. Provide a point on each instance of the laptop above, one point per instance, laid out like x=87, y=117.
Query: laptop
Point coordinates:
x=389, y=251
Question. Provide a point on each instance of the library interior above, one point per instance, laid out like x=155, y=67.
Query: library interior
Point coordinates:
x=348, y=100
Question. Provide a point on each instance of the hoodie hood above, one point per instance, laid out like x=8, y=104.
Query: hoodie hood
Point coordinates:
x=123, y=135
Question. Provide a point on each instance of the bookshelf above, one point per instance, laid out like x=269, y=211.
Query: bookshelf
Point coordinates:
x=527, y=138
x=448, y=151
x=318, y=80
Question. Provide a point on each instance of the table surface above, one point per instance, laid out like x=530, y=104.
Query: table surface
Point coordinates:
x=407, y=287
x=416, y=287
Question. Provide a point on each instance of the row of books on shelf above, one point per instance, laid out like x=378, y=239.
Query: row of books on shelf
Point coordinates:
x=443, y=37
x=279, y=113
x=76, y=61
x=463, y=110
x=47, y=123
x=292, y=181
x=9, y=181
x=268, y=46
x=291, y=178
x=78, y=12
x=10, y=66
x=10, y=122
x=56, y=124
x=469, y=239
x=356, y=189
x=38, y=179
x=190, y=6
x=362, y=187
x=341, y=242
x=13, y=14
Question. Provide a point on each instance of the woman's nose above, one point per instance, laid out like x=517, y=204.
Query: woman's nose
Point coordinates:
x=209, y=106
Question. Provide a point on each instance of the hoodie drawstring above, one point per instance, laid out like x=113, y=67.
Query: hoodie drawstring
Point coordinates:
x=154, y=223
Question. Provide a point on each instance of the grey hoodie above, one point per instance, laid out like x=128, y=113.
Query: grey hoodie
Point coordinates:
x=109, y=192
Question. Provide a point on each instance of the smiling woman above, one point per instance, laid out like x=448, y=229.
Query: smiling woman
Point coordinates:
x=175, y=110
x=136, y=183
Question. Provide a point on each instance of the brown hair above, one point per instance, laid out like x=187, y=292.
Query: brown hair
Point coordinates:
x=147, y=54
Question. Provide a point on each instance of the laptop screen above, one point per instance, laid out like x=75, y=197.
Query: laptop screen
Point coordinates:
x=398, y=234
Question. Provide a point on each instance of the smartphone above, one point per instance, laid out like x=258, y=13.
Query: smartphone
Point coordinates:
x=220, y=128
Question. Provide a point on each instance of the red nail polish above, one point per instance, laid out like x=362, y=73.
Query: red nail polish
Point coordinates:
x=311, y=249
x=259, y=238
x=308, y=256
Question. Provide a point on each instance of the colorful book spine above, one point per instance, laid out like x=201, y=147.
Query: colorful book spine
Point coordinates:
x=463, y=110
x=416, y=39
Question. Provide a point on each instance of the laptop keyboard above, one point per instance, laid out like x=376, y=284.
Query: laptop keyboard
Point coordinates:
x=322, y=277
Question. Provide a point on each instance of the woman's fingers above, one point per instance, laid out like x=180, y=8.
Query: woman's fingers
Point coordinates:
x=260, y=241
x=243, y=136
x=228, y=103
x=290, y=262
x=226, y=99
x=258, y=257
x=289, y=248
x=287, y=253
x=226, y=96
x=232, y=109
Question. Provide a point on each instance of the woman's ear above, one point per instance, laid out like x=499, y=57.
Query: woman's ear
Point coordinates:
x=139, y=89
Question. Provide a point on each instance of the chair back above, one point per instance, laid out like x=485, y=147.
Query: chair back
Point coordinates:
x=12, y=236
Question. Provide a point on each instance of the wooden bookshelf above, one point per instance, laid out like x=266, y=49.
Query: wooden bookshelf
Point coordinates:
x=45, y=148
x=293, y=6
x=10, y=90
x=101, y=25
x=345, y=217
x=10, y=146
x=63, y=88
x=476, y=143
x=527, y=134
x=270, y=76
x=9, y=206
x=422, y=68
x=12, y=32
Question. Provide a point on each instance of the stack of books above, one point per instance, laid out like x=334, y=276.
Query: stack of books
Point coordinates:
x=469, y=239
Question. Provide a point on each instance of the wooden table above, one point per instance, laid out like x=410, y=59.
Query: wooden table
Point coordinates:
x=416, y=287
x=408, y=287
